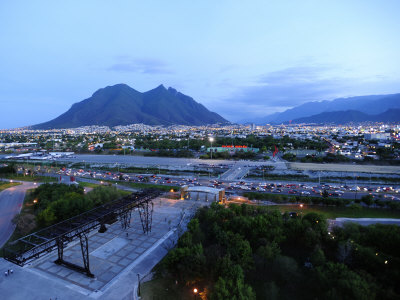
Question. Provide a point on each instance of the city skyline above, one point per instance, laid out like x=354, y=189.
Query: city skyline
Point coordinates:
x=236, y=59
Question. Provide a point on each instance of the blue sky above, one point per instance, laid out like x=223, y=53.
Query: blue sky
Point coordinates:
x=242, y=59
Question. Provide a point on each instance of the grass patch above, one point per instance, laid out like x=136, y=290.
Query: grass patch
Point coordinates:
x=164, y=289
x=25, y=221
x=331, y=212
x=89, y=184
x=139, y=185
x=32, y=178
x=5, y=185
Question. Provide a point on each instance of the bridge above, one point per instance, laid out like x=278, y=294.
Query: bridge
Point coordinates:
x=58, y=236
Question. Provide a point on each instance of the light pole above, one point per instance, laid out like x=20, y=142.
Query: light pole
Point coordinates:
x=211, y=141
x=138, y=278
x=195, y=291
x=355, y=196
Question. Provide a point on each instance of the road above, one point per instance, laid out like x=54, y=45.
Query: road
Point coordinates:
x=237, y=171
x=11, y=201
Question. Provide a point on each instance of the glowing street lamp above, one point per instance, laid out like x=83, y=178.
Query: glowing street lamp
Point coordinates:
x=195, y=293
x=211, y=141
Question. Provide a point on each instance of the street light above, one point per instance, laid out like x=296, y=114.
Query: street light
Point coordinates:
x=211, y=141
x=195, y=293
x=138, y=278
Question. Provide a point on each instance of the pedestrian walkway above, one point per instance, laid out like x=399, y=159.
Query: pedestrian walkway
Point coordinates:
x=114, y=255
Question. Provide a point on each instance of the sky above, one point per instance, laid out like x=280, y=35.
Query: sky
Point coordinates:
x=241, y=59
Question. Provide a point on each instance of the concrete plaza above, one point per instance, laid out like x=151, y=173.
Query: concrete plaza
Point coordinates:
x=116, y=257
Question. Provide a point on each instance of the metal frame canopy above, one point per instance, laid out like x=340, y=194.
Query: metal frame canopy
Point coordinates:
x=32, y=246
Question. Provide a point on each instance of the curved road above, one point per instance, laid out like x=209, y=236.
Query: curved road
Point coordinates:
x=11, y=201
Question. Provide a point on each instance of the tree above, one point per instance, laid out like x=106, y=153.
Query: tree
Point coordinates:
x=367, y=199
x=317, y=257
x=232, y=286
x=271, y=291
x=336, y=281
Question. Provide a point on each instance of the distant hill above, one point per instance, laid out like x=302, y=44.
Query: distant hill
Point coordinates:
x=122, y=105
x=374, y=104
x=350, y=116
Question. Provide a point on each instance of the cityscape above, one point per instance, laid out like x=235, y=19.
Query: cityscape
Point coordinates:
x=201, y=155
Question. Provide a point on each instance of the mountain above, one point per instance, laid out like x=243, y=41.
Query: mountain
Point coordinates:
x=350, y=116
x=373, y=104
x=122, y=105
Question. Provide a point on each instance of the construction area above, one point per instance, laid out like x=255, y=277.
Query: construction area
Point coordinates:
x=103, y=262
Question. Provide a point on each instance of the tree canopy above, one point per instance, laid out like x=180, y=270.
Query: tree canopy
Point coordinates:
x=248, y=252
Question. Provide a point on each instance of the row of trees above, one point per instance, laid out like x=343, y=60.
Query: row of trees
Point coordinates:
x=8, y=170
x=170, y=153
x=247, y=252
x=236, y=155
x=54, y=203
x=265, y=144
x=326, y=200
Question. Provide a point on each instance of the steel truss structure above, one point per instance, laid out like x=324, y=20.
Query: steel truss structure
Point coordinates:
x=33, y=246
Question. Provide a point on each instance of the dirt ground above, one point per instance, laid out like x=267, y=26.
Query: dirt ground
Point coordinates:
x=345, y=168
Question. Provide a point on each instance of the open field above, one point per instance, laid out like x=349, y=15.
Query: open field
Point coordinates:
x=32, y=178
x=331, y=212
x=88, y=184
x=5, y=185
x=345, y=168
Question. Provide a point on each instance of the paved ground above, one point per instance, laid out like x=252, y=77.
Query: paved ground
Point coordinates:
x=236, y=172
x=11, y=201
x=115, y=259
x=345, y=168
x=153, y=161
x=363, y=221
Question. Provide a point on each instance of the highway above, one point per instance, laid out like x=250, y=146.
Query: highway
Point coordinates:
x=11, y=201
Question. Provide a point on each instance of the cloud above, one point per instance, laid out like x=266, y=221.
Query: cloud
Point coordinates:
x=282, y=89
x=141, y=65
x=293, y=86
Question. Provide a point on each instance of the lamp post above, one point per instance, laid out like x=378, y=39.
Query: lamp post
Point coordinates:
x=355, y=196
x=195, y=291
x=138, y=277
x=211, y=141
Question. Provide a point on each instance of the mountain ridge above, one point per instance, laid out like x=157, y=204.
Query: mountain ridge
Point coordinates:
x=370, y=104
x=350, y=116
x=122, y=105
